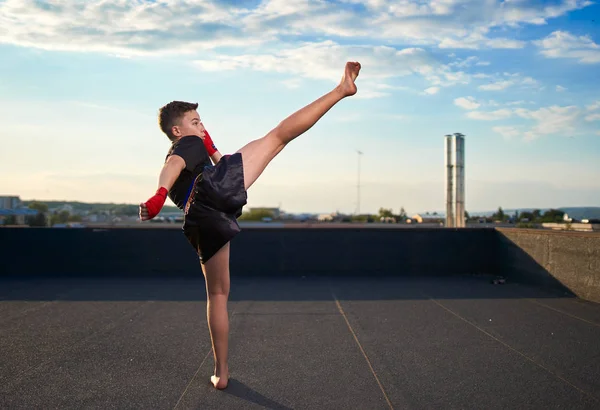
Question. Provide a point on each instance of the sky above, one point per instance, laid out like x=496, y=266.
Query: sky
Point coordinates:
x=81, y=84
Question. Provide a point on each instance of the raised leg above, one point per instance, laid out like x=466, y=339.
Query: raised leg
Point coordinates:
x=216, y=274
x=258, y=154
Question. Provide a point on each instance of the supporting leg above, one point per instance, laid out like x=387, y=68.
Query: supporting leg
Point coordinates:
x=216, y=274
x=258, y=153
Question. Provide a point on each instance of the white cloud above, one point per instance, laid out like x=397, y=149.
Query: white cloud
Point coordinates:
x=512, y=103
x=124, y=28
x=325, y=61
x=367, y=93
x=502, y=81
x=226, y=35
x=497, y=86
x=593, y=117
x=468, y=103
x=443, y=76
x=467, y=62
x=382, y=86
x=516, y=12
x=507, y=132
x=322, y=61
x=562, y=44
x=560, y=88
x=476, y=41
x=490, y=115
x=458, y=23
x=594, y=106
x=550, y=120
x=186, y=27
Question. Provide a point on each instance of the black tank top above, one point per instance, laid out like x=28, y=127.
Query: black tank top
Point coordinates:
x=191, y=149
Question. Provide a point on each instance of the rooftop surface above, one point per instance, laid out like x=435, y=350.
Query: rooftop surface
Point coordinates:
x=297, y=343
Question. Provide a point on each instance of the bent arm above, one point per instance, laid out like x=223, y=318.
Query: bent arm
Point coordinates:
x=168, y=175
x=170, y=171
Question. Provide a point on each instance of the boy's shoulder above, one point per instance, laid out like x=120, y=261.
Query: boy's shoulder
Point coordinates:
x=191, y=149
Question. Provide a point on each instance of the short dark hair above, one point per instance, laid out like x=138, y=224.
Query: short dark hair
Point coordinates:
x=171, y=113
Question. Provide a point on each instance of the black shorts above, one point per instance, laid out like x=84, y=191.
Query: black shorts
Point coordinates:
x=215, y=202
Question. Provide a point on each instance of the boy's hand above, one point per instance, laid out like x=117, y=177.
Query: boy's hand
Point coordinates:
x=144, y=215
x=209, y=144
x=152, y=206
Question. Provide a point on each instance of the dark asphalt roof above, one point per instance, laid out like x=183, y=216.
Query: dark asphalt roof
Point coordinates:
x=312, y=343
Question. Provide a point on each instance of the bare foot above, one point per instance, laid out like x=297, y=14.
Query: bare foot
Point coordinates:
x=220, y=383
x=347, y=86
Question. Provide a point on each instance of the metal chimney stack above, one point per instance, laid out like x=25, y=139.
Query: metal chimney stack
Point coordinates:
x=455, y=181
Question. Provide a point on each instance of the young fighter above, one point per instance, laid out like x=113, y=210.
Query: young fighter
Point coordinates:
x=212, y=195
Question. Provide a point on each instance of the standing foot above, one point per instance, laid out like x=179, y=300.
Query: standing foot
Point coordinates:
x=220, y=383
x=220, y=378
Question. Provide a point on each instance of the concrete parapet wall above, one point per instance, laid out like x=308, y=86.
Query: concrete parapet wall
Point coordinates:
x=567, y=261
x=546, y=257
x=256, y=251
x=385, y=251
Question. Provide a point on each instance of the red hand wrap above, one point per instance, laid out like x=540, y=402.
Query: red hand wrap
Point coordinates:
x=155, y=204
x=209, y=144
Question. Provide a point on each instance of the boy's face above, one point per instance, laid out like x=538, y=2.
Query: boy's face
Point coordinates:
x=189, y=124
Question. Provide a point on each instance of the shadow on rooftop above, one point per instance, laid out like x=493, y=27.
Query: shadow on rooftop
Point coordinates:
x=308, y=289
x=239, y=389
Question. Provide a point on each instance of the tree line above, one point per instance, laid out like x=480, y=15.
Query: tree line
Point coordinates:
x=535, y=216
x=46, y=217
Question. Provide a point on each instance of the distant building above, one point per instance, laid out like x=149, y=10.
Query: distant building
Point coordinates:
x=419, y=219
x=387, y=219
x=416, y=219
x=12, y=206
x=10, y=202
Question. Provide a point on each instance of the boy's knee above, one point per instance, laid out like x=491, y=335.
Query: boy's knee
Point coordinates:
x=218, y=293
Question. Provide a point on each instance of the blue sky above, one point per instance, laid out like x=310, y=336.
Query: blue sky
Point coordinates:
x=81, y=83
